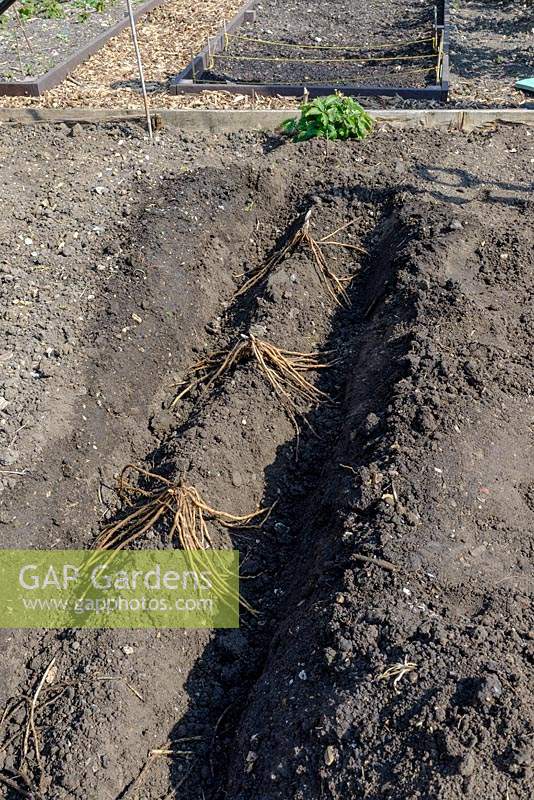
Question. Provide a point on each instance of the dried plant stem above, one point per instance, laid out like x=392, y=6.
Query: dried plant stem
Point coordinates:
x=30, y=726
x=397, y=672
x=136, y=785
x=20, y=23
x=140, y=68
x=19, y=57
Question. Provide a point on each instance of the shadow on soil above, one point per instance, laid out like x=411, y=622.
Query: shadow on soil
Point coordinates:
x=221, y=685
x=454, y=180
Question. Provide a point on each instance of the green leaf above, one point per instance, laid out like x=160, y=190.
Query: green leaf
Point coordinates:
x=331, y=117
x=289, y=125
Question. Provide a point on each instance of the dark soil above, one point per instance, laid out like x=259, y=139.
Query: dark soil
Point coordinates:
x=29, y=48
x=380, y=29
x=492, y=46
x=423, y=461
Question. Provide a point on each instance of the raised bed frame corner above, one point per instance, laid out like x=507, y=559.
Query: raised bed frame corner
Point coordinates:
x=36, y=86
x=185, y=81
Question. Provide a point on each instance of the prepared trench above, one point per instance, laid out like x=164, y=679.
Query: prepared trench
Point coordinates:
x=392, y=656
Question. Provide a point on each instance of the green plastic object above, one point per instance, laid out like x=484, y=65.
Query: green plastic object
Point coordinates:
x=526, y=84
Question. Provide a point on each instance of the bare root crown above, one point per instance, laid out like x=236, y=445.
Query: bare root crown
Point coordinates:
x=334, y=284
x=282, y=368
x=178, y=503
x=186, y=511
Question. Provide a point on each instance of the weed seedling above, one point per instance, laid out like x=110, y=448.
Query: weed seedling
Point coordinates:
x=88, y=7
x=49, y=9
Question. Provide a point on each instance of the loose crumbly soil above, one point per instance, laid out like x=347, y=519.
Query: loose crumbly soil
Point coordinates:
x=109, y=78
x=382, y=30
x=119, y=264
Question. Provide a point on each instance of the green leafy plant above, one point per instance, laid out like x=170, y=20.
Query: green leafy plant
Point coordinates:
x=88, y=7
x=332, y=117
x=27, y=9
x=49, y=9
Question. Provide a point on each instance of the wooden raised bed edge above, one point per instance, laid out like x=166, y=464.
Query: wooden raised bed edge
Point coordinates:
x=184, y=82
x=217, y=121
x=33, y=87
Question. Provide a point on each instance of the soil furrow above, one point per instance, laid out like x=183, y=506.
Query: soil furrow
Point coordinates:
x=392, y=653
x=411, y=677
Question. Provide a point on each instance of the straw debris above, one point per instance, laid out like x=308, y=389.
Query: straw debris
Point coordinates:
x=397, y=672
x=29, y=779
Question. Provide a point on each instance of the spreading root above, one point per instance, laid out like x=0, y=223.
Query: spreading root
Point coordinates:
x=177, y=503
x=184, y=509
x=334, y=284
x=282, y=368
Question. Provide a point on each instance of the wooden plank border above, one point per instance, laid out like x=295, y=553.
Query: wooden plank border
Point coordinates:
x=215, y=121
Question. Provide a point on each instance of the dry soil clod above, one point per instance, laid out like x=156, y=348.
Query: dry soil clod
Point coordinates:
x=334, y=284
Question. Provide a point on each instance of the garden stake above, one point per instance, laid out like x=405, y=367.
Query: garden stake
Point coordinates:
x=140, y=68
